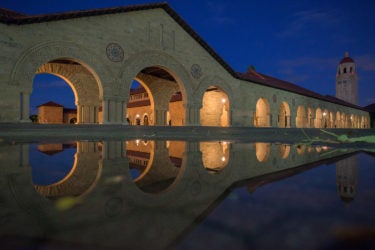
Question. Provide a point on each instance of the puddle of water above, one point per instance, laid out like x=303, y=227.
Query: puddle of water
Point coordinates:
x=157, y=194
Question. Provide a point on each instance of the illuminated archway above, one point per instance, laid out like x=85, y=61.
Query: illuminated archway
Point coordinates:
x=215, y=108
x=343, y=120
x=318, y=118
x=283, y=120
x=338, y=120
x=301, y=117
x=156, y=91
x=262, y=113
x=84, y=85
x=310, y=118
x=325, y=119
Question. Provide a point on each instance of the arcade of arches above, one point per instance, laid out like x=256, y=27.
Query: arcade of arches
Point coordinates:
x=181, y=80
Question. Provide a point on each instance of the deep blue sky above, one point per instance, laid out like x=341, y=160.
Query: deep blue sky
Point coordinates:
x=297, y=41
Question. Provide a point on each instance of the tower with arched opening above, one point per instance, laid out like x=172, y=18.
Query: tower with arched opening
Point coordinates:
x=347, y=80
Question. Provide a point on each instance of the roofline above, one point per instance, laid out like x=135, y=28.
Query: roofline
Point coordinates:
x=22, y=20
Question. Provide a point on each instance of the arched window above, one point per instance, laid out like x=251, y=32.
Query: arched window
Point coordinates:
x=145, y=120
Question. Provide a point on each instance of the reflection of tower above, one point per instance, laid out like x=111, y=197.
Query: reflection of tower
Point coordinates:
x=347, y=178
x=347, y=80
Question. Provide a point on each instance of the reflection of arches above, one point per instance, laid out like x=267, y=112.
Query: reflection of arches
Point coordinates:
x=262, y=113
x=301, y=149
x=301, y=117
x=284, y=150
x=158, y=165
x=215, y=155
x=284, y=116
x=262, y=151
x=215, y=108
x=82, y=177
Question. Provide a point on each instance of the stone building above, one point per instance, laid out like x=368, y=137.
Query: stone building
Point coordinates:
x=51, y=112
x=99, y=53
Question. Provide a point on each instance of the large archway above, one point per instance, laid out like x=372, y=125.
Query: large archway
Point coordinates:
x=262, y=113
x=84, y=86
x=215, y=108
x=155, y=99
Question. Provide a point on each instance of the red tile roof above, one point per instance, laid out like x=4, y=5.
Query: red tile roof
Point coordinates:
x=6, y=14
x=50, y=104
x=346, y=60
x=11, y=17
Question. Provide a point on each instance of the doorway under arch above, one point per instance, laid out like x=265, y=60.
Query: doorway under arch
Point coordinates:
x=283, y=120
x=262, y=113
x=156, y=91
x=215, y=108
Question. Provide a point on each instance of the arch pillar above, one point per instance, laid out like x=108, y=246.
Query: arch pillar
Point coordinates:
x=113, y=110
x=192, y=114
x=25, y=106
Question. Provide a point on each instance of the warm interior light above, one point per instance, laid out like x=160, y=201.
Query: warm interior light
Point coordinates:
x=223, y=100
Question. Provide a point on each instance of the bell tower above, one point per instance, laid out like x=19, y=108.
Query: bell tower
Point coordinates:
x=347, y=80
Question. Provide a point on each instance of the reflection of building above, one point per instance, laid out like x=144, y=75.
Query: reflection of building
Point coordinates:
x=54, y=148
x=347, y=178
x=52, y=112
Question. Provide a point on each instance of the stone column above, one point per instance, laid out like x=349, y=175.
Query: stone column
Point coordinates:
x=160, y=117
x=25, y=105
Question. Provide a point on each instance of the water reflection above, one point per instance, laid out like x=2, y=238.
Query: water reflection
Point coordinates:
x=347, y=178
x=156, y=188
x=215, y=155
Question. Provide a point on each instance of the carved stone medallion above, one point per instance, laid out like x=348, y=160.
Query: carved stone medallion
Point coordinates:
x=114, y=52
x=196, y=71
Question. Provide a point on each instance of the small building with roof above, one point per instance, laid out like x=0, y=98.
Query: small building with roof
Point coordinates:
x=54, y=113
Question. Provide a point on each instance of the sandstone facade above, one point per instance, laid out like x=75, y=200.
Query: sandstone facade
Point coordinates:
x=99, y=53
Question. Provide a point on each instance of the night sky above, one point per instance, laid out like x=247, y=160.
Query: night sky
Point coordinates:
x=298, y=41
